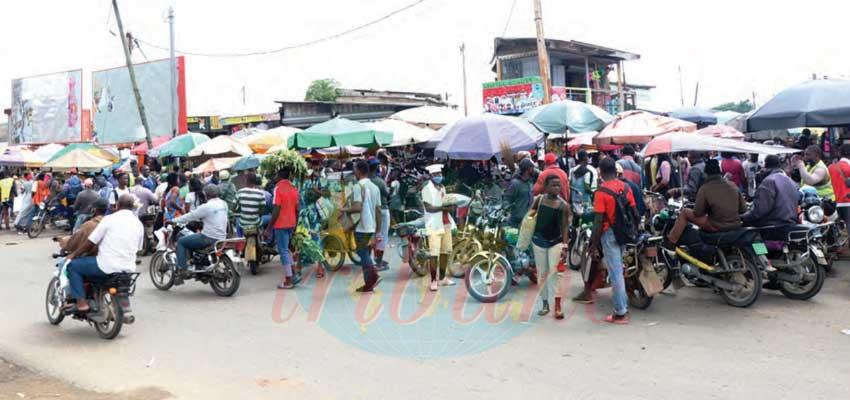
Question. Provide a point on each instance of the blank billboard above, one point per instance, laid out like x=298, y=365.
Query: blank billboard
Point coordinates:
x=114, y=111
x=46, y=108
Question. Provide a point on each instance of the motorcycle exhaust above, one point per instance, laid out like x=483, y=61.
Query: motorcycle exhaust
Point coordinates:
x=693, y=272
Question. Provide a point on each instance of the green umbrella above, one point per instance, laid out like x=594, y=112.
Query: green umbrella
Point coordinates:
x=180, y=146
x=248, y=162
x=567, y=115
x=339, y=132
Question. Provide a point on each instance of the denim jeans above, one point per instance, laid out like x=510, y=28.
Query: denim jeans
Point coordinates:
x=81, y=218
x=80, y=268
x=282, y=237
x=362, y=249
x=188, y=243
x=612, y=252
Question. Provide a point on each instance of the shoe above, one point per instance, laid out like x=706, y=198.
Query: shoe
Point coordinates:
x=544, y=310
x=434, y=286
x=382, y=267
x=584, y=298
x=618, y=319
x=447, y=282
x=559, y=313
x=363, y=289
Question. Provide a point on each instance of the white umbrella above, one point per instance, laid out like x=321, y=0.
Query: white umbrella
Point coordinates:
x=47, y=151
x=223, y=144
x=429, y=115
x=403, y=133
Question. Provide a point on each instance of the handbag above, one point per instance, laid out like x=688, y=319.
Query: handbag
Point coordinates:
x=526, y=228
x=649, y=278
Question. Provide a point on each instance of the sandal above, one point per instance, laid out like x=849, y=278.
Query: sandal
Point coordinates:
x=286, y=285
x=618, y=319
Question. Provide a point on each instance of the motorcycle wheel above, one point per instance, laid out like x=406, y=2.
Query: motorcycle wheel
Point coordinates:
x=750, y=278
x=807, y=289
x=54, y=303
x=476, y=280
x=415, y=261
x=577, y=252
x=110, y=328
x=162, y=274
x=35, y=228
x=462, y=257
x=334, y=251
x=637, y=296
x=226, y=280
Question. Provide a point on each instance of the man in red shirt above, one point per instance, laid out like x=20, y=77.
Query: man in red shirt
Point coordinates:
x=839, y=172
x=605, y=208
x=732, y=167
x=283, y=221
x=552, y=168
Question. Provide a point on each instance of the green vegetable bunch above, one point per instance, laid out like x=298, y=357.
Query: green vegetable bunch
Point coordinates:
x=306, y=246
x=284, y=159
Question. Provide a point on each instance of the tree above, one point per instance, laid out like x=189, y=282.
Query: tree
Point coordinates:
x=743, y=106
x=322, y=90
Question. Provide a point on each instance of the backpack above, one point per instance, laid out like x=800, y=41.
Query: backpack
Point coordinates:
x=625, y=218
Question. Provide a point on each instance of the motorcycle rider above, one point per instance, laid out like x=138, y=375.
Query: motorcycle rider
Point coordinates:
x=252, y=201
x=719, y=205
x=118, y=238
x=75, y=241
x=776, y=198
x=813, y=172
x=83, y=204
x=213, y=214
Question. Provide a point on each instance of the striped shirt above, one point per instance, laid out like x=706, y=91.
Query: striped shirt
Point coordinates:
x=251, y=204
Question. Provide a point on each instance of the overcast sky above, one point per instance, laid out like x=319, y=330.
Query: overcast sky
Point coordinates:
x=731, y=47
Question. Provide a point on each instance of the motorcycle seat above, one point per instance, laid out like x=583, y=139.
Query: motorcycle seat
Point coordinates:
x=727, y=238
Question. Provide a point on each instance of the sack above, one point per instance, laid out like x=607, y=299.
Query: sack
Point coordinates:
x=648, y=278
x=349, y=221
x=625, y=217
x=526, y=228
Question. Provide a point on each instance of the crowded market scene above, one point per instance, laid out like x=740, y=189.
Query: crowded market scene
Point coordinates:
x=411, y=227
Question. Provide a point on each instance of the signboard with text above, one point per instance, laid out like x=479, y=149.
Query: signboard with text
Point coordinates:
x=516, y=96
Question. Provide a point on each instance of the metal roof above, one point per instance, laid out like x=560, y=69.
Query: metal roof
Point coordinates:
x=507, y=47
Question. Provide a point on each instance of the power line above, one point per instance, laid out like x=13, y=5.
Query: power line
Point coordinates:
x=510, y=16
x=297, y=45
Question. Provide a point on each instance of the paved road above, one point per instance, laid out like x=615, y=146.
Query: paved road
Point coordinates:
x=194, y=345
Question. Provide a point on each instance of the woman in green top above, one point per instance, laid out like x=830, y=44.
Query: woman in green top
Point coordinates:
x=551, y=235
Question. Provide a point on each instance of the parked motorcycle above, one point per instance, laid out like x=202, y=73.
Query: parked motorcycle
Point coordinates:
x=580, y=233
x=799, y=263
x=729, y=262
x=257, y=250
x=51, y=214
x=413, y=247
x=216, y=265
x=108, y=298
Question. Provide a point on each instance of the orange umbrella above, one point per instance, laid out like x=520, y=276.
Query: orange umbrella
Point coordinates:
x=639, y=127
x=215, y=164
x=721, y=131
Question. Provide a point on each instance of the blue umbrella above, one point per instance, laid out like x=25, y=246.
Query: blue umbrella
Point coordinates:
x=481, y=137
x=822, y=103
x=248, y=162
x=695, y=115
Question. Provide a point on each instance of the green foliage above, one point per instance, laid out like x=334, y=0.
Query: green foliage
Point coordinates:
x=284, y=159
x=322, y=90
x=306, y=246
x=743, y=106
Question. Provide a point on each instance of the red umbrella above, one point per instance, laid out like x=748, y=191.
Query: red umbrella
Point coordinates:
x=142, y=148
x=638, y=127
x=721, y=131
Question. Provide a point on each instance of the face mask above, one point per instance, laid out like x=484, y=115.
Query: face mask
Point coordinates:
x=437, y=180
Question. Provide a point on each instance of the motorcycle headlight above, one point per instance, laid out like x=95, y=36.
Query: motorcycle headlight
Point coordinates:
x=814, y=214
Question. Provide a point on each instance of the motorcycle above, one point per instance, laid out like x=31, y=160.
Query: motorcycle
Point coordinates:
x=257, y=250
x=149, y=221
x=799, y=263
x=494, y=270
x=818, y=211
x=108, y=298
x=215, y=265
x=730, y=262
x=580, y=233
x=48, y=214
x=413, y=247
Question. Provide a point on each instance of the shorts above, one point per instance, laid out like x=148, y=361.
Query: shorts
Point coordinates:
x=440, y=243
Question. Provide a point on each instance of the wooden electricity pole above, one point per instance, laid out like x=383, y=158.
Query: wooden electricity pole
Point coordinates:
x=463, y=61
x=542, y=53
x=138, y=95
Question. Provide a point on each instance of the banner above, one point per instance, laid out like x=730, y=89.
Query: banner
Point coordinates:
x=114, y=111
x=46, y=108
x=516, y=96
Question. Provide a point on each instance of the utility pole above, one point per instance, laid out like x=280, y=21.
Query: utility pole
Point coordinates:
x=754, y=99
x=681, y=89
x=542, y=53
x=696, y=94
x=138, y=95
x=173, y=74
x=463, y=61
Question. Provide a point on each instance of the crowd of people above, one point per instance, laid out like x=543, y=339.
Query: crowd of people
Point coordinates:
x=560, y=189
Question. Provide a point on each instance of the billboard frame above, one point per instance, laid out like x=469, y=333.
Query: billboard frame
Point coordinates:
x=79, y=106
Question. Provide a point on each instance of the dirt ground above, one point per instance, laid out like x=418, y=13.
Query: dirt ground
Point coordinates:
x=21, y=383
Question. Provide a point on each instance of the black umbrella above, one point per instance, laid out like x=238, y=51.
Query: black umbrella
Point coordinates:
x=821, y=103
x=695, y=115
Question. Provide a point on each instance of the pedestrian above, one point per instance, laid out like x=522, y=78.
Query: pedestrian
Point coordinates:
x=7, y=197
x=438, y=226
x=283, y=221
x=550, y=241
x=27, y=192
x=583, y=181
x=518, y=196
x=552, y=169
x=631, y=169
x=365, y=201
x=384, y=228
x=84, y=202
x=733, y=169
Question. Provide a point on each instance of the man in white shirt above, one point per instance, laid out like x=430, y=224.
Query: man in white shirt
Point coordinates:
x=365, y=200
x=438, y=225
x=213, y=214
x=120, y=190
x=118, y=238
